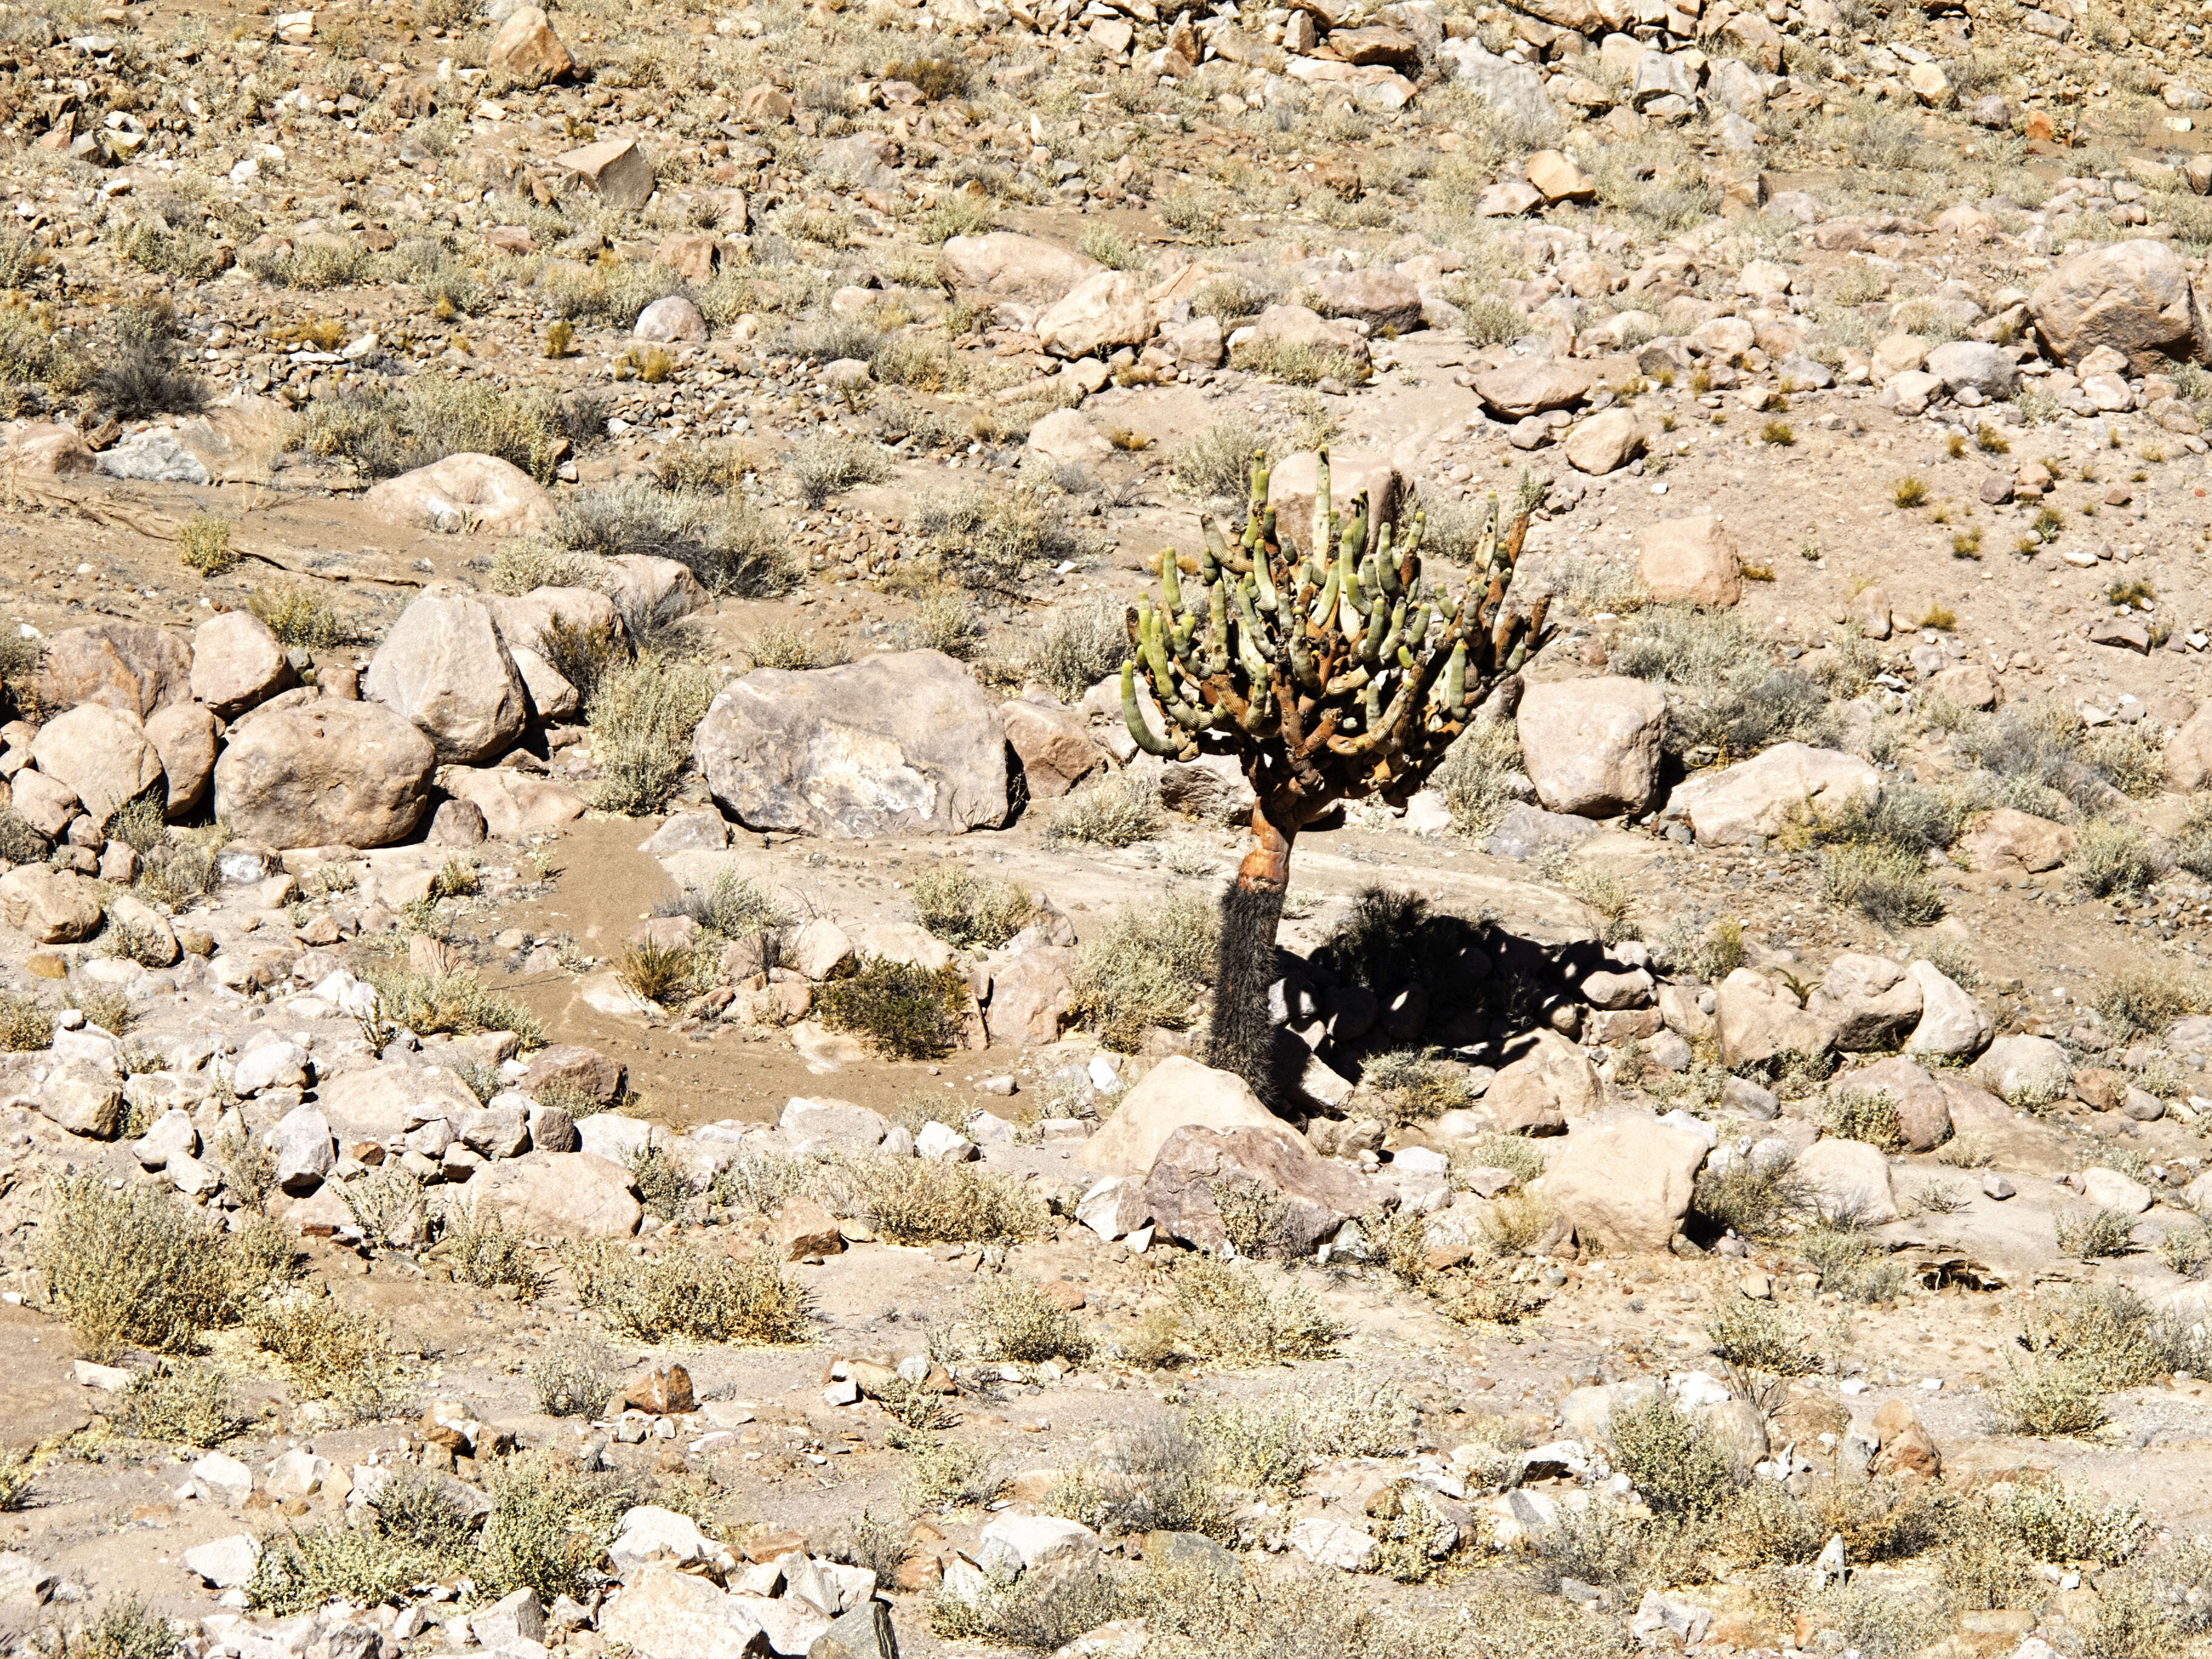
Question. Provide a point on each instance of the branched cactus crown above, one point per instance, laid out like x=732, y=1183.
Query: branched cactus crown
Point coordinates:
x=1329, y=677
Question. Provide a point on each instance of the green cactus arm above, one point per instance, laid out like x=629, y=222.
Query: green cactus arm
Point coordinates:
x=1321, y=537
x=1170, y=579
x=1378, y=625
x=1132, y=716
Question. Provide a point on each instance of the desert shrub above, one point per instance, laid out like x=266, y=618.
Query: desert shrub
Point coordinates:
x=1255, y=1445
x=901, y=1009
x=945, y=621
x=2192, y=842
x=733, y=907
x=664, y=1186
x=1757, y=1336
x=203, y=544
x=385, y=432
x=2125, y=1342
x=126, y=1628
x=1082, y=643
x=481, y=1250
x=942, y=1475
x=1296, y=362
x=456, y=1004
x=610, y=291
x=1480, y=775
x=332, y=1353
x=144, y=377
x=549, y=1526
x=2048, y=1397
x=189, y=1405
x=576, y=1379
x=2100, y=1233
x=719, y=539
x=681, y=1293
x=1864, y=1114
x=1754, y=1197
x=133, y=1268
x=412, y=1532
x=2053, y=1522
x=1217, y=460
x=16, y=1470
x=1116, y=809
x=1019, y=1322
x=2146, y=1000
x=298, y=616
x=2110, y=857
x=1849, y=1261
x=1415, y=1085
x=1885, y=883
x=759, y=1183
x=989, y=541
x=1223, y=1313
x=1159, y=1476
x=1724, y=692
x=641, y=715
x=1144, y=966
x=24, y=1023
x=966, y=910
x=658, y=973
x=823, y=467
x=926, y=1201
x=881, y=1546
x=1674, y=1464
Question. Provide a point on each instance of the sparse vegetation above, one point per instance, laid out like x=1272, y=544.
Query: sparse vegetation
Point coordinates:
x=1144, y=966
x=902, y=1010
x=679, y=1293
x=966, y=910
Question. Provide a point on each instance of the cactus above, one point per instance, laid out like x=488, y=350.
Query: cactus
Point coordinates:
x=1332, y=676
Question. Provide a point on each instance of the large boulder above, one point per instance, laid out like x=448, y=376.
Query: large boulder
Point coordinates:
x=1031, y=996
x=1759, y=1020
x=1591, y=747
x=2005, y=839
x=1377, y=295
x=1529, y=386
x=1545, y=1090
x=1053, y=743
x=1005, y=266
x=1923, y=1112
x=1098, y=314
x=1624, y=1180
x=524, y=620
x=464, y=492
x=1334, y=343
x=660, y=1614
x=1757, y=796
x=2133, y=296
x=526, y=50
x=323, y=774
x=184, y=736
x=1988, y=369
x=1871, y=999
x=445, y=667
x=512, y=803
x=1952, y=1024
x=1848, y=1181
x=133, y=666
x=1351, y=472
x=652, y=592
x=560, y=1196
x=382, y=1102
x=49, y=906
x=1605, y=442
x=2188, y=757
x=903, y=743
x=1307, y=1196
x=102, y=754
x=571, y=1068
x=1690, y=561
x=238, y=663
x=2030, y=1071
x=1178, y=1093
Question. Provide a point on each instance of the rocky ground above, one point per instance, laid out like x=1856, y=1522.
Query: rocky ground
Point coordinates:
x=602, y=1018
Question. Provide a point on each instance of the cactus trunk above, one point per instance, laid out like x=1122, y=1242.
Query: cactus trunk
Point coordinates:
x=1241, y=1037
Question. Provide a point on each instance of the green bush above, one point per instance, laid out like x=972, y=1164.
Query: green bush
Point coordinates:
x=1673, y=1462
x=966, y=910
x=385, y=433
x=641, y=715
x=189, y=1405
x=1019, y=1322
x=929, y=1201
x=124, y=1629
x=333, y=1353
x=456, y=1004
x=1223, y=1313
x=2110, y=858
x=1758, y=1336
x=681, y=1293
x=549, y=1526
x=133, y=1268
x=901, y=1009
x=1145, y=966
